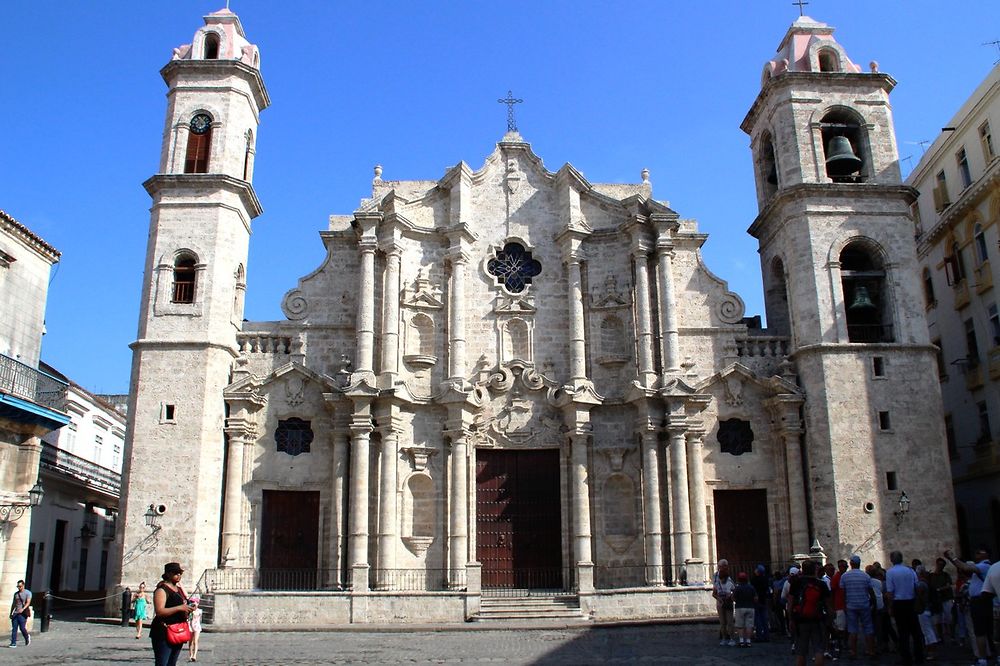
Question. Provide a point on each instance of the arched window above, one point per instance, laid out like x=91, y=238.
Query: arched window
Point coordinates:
x=211, y=46
x=768, y=166
x=828, y=61
x=929, y=288
x=865, y=297
x=979, y=238
x=184, y=277
x=844, y=147
x=954, y=266
x=199, y=144
x=776, y=300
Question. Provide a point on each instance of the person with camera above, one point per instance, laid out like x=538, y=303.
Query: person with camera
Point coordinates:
x=169, y=630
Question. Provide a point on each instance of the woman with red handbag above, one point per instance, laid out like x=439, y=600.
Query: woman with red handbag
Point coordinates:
x=169, y=630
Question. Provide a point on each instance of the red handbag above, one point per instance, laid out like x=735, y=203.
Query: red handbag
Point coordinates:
x=178, y=634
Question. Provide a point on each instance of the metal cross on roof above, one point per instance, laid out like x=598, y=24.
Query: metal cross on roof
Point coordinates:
x=510, y=102
x=801, y=4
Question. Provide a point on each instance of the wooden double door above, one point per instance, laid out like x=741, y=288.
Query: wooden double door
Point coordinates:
x=742, y=530
x=518, y=518
x=289, y=540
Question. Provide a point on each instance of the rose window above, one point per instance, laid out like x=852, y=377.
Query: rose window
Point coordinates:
x=513, y=267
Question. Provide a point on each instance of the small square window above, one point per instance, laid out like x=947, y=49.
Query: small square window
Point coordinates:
x=878, y=366
x=167, y=413
x=891, y=482
x=883, y=421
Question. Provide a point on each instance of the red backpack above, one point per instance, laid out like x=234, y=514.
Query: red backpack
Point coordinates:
x=808, y=603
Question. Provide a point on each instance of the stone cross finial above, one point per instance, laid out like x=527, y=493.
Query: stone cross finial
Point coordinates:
x=510, y=102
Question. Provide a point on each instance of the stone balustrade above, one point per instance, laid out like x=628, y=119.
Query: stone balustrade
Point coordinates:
x=762, y=346
x=250, y=342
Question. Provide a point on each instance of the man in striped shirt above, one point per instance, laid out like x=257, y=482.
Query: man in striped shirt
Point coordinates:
x=858, y=600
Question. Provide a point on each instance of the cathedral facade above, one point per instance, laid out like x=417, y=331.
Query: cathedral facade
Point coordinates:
x=513, y=380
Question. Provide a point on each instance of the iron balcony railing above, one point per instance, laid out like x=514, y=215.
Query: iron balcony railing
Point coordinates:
x=870, y=333
x=23, y=381
x=64, y=462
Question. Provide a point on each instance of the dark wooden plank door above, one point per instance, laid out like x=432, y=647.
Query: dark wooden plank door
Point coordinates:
x=289, y=539
x=518, y=518
x=742, y=534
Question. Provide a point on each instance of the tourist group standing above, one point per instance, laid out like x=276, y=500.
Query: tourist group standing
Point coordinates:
x=846, y=610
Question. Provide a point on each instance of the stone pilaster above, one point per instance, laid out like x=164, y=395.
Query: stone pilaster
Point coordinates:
x=667, y=306
x=460, y=242
x=360, y=429
x=680, y=514
x=339, y=444
x=652, y=514
x=696, y=495
x=388, y=516
x=364, y=363
x=785, y=410
x=240, y=434
x=390, y=313
x=580, y=492
x=643, y=310
x=571, y=241
x=458, y=502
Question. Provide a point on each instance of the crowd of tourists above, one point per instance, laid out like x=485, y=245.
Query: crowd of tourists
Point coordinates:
x=845, y=610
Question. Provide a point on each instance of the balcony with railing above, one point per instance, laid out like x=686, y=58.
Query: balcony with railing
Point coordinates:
x=23, y=381
x=73, y=466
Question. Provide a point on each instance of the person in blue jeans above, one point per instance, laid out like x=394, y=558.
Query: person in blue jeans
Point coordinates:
x=20, y=610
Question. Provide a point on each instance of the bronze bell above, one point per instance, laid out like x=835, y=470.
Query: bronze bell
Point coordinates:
x=862, y=301
x=772, y=175
x=841, y=160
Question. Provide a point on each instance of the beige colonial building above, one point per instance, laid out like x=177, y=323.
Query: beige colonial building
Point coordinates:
x=512, y=379
x=29, y=407
x=956, y=219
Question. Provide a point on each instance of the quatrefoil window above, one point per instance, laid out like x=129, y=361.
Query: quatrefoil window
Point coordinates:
x=513, y=267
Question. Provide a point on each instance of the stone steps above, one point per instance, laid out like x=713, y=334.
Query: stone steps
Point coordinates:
x=506, y=609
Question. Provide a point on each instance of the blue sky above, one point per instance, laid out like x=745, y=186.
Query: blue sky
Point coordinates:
x=610, y=87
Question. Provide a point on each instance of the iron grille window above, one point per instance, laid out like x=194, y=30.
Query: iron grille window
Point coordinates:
x=736, y=437
x=184, y=280
x=514, y=267
x=293, y=436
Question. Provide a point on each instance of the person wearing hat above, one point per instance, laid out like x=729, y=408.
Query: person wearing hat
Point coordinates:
x=745, y=597
x=170, y=606
x=859, y=598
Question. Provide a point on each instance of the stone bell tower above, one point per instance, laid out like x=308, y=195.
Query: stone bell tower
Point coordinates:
x=192, y=302
x=841, y=279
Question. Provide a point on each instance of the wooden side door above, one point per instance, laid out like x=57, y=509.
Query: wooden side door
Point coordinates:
x=289, y=540
x=742, y=533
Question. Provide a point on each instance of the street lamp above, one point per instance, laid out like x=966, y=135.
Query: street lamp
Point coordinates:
x=152, y=516
x=904, y=507
x=9, y=513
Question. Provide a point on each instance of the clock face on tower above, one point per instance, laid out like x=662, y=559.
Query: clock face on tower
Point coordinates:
x=201, y=123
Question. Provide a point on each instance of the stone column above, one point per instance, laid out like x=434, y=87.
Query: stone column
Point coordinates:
x=580, y=489
x=361, y=428
x=668, y=301
x=643, y=310
x=796, y=491
x=232, y=527
x=680, y=532
x=696, y=494
x=390, y=312
x=652, y=516
x=456, y=317
x=577, y=335
x=388, y=521
x=458, y=525
x=364, y=363
x=16, y=533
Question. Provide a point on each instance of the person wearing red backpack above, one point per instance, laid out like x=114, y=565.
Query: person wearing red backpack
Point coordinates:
x=811, y=606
